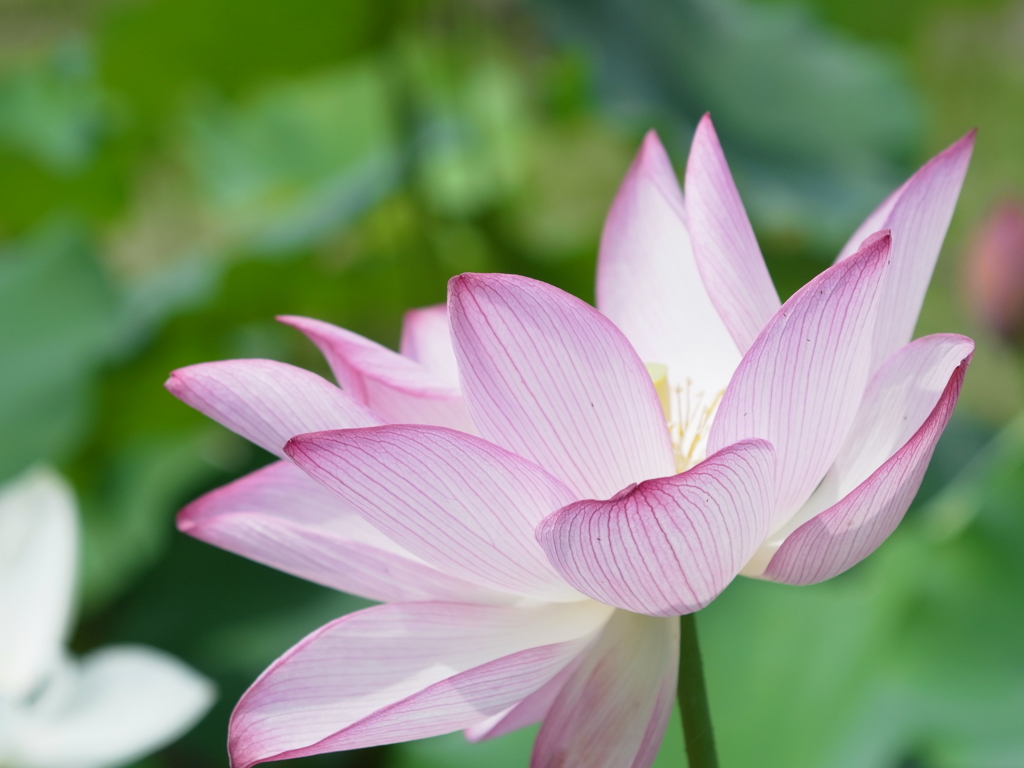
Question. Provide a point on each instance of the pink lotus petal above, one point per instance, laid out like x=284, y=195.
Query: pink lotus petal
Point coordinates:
x=918, y=217
x=901, y=395
x=404, y=671
x=724, y=245
x=462, y=504
x=282, y=518
x=800, y=384
x=265, y=401
x=427, y=339
x=846, y=533
x=533, y=709
x=668, y=546
x=552, y=379
x=396, y=388
x=612, y=713
x=648, y=282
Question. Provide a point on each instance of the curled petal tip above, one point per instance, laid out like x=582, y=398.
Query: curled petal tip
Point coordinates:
x=173, y=382
x=185, y=520
x=880, y=241
x=295, y=446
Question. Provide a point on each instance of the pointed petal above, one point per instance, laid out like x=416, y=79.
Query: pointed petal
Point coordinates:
x=668, y=546
x=396, y=388
x=647, y=279
x=898, y=399
x=282, y=518
x=918, y=216
x=552, y=379
x=265, y=401
x=724, y=245
x=462, y=504
x=404, y=671
x=613, y=711
x=850, y=530
x=427, y=339
x=38, y=557
x=901, y=395
x=800, y=384
x=120, y=704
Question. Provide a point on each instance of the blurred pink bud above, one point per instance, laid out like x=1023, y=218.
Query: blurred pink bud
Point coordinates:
x=995, y=270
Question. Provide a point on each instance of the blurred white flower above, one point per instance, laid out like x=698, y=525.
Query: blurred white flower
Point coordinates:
x=106, y=709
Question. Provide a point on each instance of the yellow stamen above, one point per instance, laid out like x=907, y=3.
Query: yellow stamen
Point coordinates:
x=659, y=375
x=688, y=418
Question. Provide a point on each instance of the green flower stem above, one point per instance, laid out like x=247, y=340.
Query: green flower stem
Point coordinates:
x=693, y=698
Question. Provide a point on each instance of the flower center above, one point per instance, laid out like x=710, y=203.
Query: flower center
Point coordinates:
x=689, y=412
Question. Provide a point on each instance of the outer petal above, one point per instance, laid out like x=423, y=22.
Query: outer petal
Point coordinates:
x=396, y=388
x=38, y=556
x=280, y=517
x=552, y=379
x=668, y=546
x=427, y=339
x=462, y=504
x=265, y=401
x=801, y=382
x=724, y=245
x=118, y=705
x=533, y=709
x=901, y=395
x=648, y=282
x=613, y=711
x=918, y=216
x=404, y=671
x=846, y=533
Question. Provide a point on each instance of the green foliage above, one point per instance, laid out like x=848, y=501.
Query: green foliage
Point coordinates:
x=58, y=320
x=54, y=111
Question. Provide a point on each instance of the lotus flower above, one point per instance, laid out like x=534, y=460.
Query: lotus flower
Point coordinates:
x=110, y=708
x=535, y=499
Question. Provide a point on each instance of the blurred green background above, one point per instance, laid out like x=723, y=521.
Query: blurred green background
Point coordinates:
x=174, y=174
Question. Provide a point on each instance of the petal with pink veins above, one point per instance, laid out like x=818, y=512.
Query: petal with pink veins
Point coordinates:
x=533, y=709
x=918, y=215
x=404, y=671
x=396, y=388
x=648, y=282
x=901, y=395
x=668, y=546
x=462, y=504
x=427, y=339
x=801, y=383
x=280, y=517
x=724, y=245
x=613, y=711
x=265, y=401
x=550, y=378
x=850, y=530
